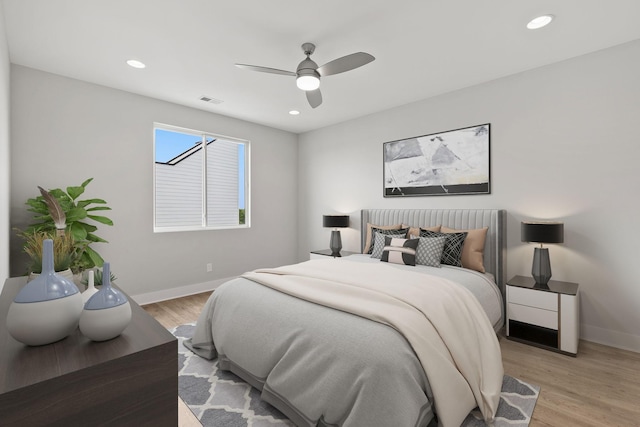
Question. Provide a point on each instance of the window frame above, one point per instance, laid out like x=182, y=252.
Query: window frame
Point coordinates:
x=247, y=180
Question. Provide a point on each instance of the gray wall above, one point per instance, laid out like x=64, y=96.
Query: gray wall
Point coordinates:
x=64, y=131
x=4, y=152
x=564, y=145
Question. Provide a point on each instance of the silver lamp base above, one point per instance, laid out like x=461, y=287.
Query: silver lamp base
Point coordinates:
x=541, y=269
x=336, y=243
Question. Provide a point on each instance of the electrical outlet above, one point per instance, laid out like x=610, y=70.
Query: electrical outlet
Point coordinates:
x=209, y=267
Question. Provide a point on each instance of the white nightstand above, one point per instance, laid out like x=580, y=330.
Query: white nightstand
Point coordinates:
x=546, y=316
x=322, y=253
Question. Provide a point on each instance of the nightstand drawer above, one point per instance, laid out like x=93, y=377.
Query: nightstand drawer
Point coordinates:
x=533, y=316
x=532, y=298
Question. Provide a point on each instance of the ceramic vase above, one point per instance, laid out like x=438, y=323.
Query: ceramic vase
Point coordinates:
x=67, y=274
x=91, y=289
x=107, y=312
x=46, y=309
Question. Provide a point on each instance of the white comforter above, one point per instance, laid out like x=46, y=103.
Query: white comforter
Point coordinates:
x=444, y=323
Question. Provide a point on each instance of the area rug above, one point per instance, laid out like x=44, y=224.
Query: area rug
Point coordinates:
x=221, y=399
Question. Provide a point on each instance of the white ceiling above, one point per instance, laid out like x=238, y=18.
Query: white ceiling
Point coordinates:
x=422, y=47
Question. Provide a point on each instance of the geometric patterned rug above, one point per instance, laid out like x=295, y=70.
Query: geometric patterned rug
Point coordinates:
x=220, y=398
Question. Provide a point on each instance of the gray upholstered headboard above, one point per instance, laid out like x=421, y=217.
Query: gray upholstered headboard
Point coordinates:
x=496, y=219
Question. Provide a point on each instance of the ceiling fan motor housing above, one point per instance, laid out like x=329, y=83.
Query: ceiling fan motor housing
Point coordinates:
x=307, y=68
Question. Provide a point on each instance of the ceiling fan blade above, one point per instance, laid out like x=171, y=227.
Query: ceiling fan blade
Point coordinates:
x=345, y=63
x=266, y=70
x=314, y=97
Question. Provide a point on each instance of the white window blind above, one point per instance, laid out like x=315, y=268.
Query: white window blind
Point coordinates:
x=200, y=180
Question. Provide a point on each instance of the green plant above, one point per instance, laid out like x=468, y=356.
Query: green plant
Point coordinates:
x=76, y=213
x=97, y=278
x=64, y=250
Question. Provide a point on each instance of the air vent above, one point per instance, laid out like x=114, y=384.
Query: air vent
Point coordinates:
x=210, y=100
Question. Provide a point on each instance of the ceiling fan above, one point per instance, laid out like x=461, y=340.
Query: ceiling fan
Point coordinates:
x=308, y=73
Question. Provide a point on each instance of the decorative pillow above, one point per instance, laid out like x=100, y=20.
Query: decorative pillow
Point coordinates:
x=378, y=240
x=415, y=231
x=368, y=242
x=399, y=251
x=429, y=250
x=452, y=252
x=473, y=249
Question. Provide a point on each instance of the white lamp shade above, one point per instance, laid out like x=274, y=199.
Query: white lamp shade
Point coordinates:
x=307, y=83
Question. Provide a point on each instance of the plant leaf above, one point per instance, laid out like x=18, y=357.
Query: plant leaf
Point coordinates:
x=101, y=219
x=78, y=232
x=89, y=227
x=76, y=214
x=84, y=203
x=94, y=256
x=74, y=192
x=37, y=204
x=94, y=238
x=59, y=194
x=84, y=184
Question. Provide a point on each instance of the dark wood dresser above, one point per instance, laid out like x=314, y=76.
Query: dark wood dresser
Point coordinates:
x=131, y=380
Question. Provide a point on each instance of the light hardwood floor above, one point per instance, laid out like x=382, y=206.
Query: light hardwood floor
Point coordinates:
x=600, y=387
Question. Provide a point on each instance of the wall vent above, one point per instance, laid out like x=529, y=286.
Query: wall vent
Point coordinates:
x=210, y=100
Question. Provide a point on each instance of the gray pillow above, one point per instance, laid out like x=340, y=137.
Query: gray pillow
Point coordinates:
x=390, y=232
x=429, y=251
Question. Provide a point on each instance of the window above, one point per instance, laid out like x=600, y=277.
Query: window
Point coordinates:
x=200, y=180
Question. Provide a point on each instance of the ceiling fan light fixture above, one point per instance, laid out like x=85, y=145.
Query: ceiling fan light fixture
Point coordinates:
x=307, y=82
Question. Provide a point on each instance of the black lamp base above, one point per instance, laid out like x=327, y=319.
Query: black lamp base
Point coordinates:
x=336, y=243
x=541, y=269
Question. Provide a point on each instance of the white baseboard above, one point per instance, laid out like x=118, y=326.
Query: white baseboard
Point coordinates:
x=181, y=291
x=611, y=338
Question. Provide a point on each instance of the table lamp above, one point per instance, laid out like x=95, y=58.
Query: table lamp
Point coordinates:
x=335, y=222
x=542, y=232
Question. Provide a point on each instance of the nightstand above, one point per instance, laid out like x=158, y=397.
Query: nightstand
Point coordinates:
x=319, y=254
x=546, y=316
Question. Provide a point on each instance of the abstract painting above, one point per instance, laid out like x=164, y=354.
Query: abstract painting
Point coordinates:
x=446, y=163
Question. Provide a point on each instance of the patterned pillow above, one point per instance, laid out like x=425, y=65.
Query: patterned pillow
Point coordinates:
x=371, y=228
x=399, y=251
x=429, y=250
x=473, y=249
x=452, y=252
x=378, y=239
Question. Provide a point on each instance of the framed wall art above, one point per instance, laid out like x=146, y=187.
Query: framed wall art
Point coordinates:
x=445, y=163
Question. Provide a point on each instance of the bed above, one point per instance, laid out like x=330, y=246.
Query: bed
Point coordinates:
x=360, y=342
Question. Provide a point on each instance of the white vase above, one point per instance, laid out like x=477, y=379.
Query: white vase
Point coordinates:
x=91, y=289
x=44, y=322
x=106, y=313
x=47, y=309
x=105, y=324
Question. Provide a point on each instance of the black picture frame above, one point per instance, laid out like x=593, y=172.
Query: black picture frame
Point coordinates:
x=453, y=162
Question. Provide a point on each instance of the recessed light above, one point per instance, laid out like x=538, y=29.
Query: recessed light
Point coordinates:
x=294, y=112
x=539, y=22
x=135, y=63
